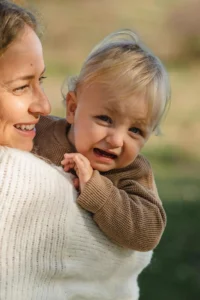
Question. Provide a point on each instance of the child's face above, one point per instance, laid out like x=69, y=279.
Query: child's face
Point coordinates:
x=110, y=132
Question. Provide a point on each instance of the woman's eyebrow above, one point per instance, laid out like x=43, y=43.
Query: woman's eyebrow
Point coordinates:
x=24, y=77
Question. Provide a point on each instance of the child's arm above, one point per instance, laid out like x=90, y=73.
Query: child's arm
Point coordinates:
x=130, y=214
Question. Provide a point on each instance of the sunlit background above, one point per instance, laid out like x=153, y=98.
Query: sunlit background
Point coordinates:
x=171, y=28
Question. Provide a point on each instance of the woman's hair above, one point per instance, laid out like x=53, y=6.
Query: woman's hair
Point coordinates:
x=13, y=19
x=127, y=67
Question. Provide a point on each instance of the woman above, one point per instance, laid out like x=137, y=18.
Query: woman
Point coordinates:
x=49, y=247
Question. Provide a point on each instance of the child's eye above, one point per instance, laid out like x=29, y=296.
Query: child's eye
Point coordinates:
x=105, y=119
x=136, y=130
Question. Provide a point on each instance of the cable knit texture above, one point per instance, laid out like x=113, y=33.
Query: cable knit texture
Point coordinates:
x=50, y=248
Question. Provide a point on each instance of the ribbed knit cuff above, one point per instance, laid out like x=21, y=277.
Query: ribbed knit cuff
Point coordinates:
x=96, y=193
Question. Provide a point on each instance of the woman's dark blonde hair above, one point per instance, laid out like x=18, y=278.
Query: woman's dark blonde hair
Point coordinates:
x=13, y=19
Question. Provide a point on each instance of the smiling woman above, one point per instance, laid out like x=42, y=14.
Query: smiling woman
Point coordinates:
x=22, y=99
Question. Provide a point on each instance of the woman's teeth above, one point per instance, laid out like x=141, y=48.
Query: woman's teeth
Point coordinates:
x=25, y=127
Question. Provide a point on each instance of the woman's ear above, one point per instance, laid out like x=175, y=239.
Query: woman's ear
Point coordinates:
x=71, y=105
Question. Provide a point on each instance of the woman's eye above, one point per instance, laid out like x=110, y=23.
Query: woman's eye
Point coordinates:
x=136, y=130
x=105, y=118
x=21, y=88
x=41, y=79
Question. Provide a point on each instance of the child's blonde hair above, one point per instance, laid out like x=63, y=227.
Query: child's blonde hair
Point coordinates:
x=127, y=67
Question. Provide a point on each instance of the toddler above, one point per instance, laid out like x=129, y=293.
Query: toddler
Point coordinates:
x=113, y=106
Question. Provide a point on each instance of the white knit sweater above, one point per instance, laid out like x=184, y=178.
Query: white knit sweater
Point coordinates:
x=49, y=247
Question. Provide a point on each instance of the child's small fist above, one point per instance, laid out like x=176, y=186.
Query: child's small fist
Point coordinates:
x=81, y=165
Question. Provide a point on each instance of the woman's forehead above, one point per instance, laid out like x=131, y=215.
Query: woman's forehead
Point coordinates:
x=22, y=58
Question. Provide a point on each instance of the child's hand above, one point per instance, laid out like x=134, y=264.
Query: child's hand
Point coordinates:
x=81, y=165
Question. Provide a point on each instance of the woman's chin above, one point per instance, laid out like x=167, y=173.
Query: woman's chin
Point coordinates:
x=28, y=146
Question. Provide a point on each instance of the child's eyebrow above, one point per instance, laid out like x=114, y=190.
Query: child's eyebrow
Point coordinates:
x=112, y=109
x=142, y=121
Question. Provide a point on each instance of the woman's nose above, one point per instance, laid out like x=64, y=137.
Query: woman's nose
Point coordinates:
x=40, y=104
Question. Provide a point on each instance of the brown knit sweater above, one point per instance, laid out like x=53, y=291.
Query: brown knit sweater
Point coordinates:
x=123, y=202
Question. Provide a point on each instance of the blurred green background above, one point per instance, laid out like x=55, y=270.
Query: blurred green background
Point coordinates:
x=171, y=28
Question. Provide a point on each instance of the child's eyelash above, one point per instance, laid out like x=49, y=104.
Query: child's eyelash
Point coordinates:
x=104, y=118
x=136, y=130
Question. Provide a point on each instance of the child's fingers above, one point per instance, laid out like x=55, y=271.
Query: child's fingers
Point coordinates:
x=84, y=170
x=76, y=182
x=66, y=160
x=68, y=164
x=80, y=165
x=70, y=155
x=63, y=162
x=66, y=168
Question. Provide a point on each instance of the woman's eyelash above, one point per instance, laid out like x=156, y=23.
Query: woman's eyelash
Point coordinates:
x=26, y=85
x=42, y=78
x=21, y=87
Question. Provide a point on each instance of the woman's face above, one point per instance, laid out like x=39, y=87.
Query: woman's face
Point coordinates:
x=22, y=99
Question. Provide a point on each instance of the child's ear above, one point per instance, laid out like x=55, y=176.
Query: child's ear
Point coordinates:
x=71, y=105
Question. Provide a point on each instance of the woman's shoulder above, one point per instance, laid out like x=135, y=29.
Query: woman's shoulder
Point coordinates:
x=14, y=161
x=9, y=153
x=23, y=160
x=22, y=164
x=17, y=154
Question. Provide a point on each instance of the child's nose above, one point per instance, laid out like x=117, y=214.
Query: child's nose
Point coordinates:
x=115, y=139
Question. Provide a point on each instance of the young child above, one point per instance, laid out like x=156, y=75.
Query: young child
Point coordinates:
x=113, y=106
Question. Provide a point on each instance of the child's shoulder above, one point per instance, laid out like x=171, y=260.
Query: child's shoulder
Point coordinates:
x=50, y=125
x=139, y=170
x=141, y=162
x=46, y=121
